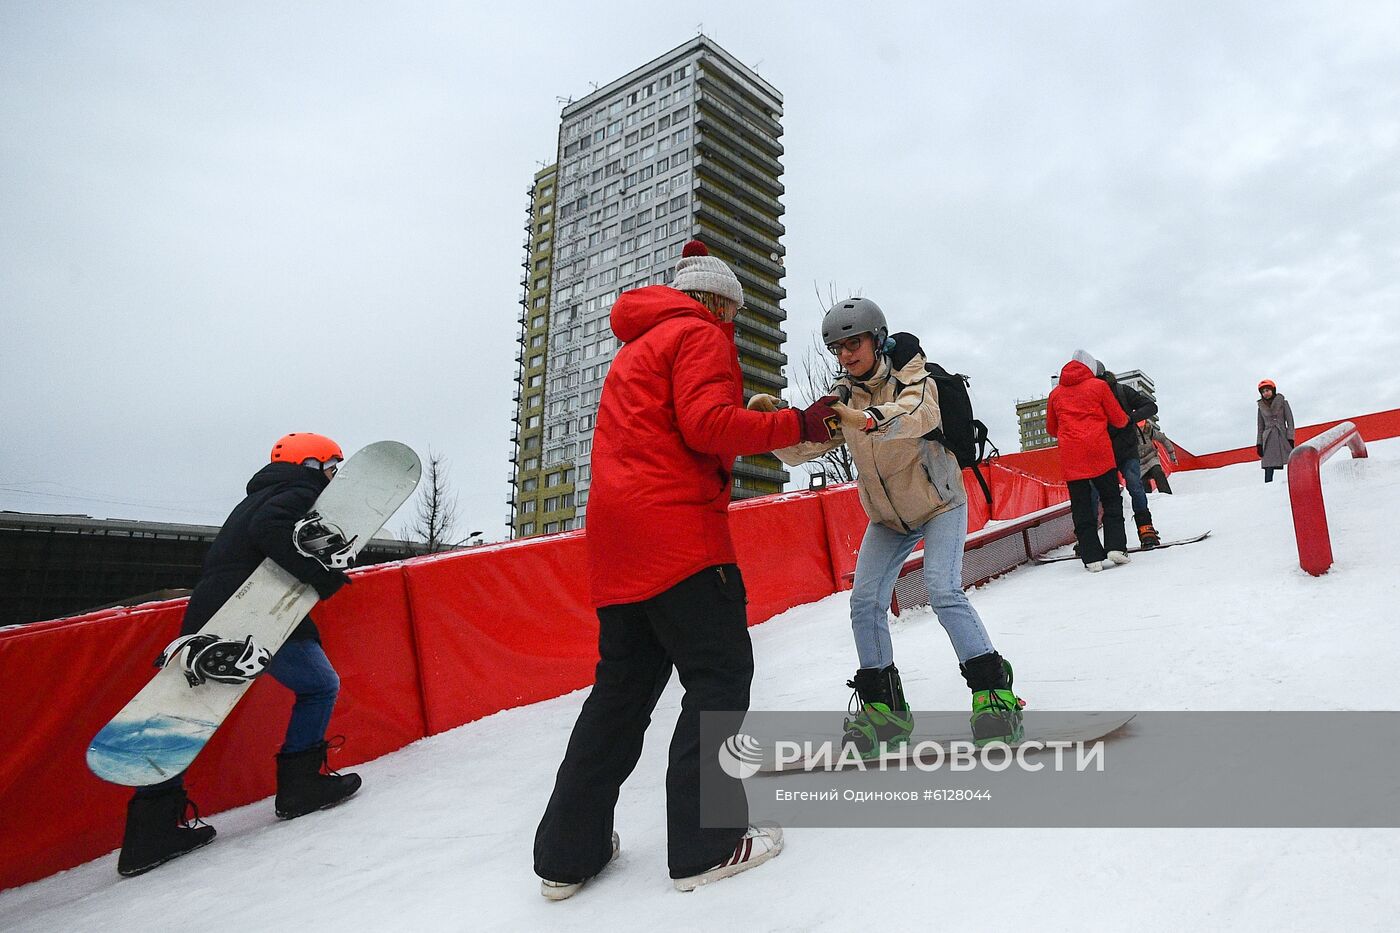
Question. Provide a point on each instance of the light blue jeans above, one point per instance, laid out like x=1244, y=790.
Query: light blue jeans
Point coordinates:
x=882, y=554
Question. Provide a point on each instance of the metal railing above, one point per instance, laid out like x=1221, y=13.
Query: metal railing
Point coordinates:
x=989, y=553
x=1305, y=493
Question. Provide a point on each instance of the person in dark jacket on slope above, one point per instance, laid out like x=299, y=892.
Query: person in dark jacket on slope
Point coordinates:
x=279, y=495
x=1079, y=412
x=664, y=580
x=1273, y=439
x=1139, y=407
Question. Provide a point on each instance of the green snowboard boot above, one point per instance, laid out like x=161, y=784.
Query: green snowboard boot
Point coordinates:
x=996, y=709
x=880, y=719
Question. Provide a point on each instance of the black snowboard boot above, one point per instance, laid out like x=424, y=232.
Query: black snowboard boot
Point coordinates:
x=1147, y=535
x=157, y=831
x=880, y=718
x=301, y=786
x=996, y=709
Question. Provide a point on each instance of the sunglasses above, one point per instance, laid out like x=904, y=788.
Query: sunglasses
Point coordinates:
x=850, y=345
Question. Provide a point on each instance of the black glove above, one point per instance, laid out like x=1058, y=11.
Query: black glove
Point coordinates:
x=1290, y=443
x=906, y=347
x=330, y=583
x=1259, y=449
x=818, y=420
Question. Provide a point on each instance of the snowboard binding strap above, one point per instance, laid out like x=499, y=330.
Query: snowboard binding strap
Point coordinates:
x=204, y=657
x=323, y=542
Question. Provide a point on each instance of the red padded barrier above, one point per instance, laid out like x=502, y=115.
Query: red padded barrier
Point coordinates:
x=62, y=682
x=1373, y=427
x=502, y=626
x=844, y=520
x=421, y=647
x=782, y=552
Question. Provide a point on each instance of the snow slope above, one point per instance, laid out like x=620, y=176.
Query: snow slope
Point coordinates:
x=440, y=839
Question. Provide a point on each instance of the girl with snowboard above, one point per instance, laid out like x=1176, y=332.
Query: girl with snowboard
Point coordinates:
x=912, y=489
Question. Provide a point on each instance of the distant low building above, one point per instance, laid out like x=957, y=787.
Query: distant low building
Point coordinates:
x=60, y=565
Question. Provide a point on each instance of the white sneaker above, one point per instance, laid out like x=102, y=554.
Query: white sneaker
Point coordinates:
x=1096, y=566
x=560, y=890
x=1118, y=557
x=755, y=847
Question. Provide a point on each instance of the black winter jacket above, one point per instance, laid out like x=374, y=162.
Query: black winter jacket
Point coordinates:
x=1139, y=408
x=259, y=527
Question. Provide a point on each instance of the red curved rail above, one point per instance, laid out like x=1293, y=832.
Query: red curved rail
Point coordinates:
x=1305, y=492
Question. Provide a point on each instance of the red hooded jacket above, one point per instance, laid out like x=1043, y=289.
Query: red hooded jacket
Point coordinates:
x=1079, y=412
x=670, y=423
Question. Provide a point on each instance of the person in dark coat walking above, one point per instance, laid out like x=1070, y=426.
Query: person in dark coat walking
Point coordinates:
x=1079, y=412
x=260, y=527
x=1125, y=452
x=664, y=581
x=1273, y=440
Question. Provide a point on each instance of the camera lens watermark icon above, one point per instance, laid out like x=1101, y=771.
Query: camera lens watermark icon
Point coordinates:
x=740, y=756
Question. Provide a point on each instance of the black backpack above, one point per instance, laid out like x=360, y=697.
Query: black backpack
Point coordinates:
x=961, y=432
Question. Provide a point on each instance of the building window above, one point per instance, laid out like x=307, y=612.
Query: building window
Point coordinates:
x=528, y=528
x=551, y=527
x=530, y=485
x=527, y=506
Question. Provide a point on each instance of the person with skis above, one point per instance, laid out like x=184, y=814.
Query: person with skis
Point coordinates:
x=1078, y=414
x=1152, y=445
x=911, y=488
x=664, y=582
x=1125, y=452
x=259, y=527
x=1273, y=438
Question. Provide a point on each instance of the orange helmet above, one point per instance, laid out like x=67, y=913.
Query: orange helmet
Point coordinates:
x=1267, y=384
x=312, y=450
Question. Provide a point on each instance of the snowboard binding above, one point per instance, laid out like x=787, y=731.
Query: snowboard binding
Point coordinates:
x=209, y=657
x=322, y=541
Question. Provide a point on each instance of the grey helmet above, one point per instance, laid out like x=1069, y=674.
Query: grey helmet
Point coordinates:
x=854, y=316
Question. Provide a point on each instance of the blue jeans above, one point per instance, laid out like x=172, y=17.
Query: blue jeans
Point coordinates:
x=303, y=668
x=1132, y=478
x=882, y=554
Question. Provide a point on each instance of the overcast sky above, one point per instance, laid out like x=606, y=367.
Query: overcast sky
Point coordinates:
x=223, y=222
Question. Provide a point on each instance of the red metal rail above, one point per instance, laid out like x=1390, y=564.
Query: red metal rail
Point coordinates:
x=1305, y=492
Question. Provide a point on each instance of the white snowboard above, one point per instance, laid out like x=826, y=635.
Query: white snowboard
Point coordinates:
x=158, y=734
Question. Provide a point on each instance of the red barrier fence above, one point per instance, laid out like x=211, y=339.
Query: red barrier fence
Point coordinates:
x=1305, y=493
x=1373, y=427
x=421, y=646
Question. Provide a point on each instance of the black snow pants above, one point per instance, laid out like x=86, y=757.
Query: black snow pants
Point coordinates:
x=700, y=627
x=1086, y=526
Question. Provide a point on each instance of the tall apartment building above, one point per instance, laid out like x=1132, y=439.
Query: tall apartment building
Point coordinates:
x=1030, y=414
x=685, y=146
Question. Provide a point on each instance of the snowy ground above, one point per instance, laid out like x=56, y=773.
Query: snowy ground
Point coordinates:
x=440, y=839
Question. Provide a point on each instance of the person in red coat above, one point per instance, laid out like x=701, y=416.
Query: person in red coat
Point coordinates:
x=1080, y=410
x=663, y=576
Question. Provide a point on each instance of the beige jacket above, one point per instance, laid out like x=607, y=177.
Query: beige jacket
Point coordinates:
x=903, y=480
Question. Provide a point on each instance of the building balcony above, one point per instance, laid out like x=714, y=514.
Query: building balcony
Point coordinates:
x=735, y=99
x=755, y=135
x=710, y=165
x=763, y=225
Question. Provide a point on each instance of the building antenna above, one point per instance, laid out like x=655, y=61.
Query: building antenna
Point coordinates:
x=699, y=29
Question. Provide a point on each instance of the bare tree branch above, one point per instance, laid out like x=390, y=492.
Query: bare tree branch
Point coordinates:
x=817, y=372
x=436, y=512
